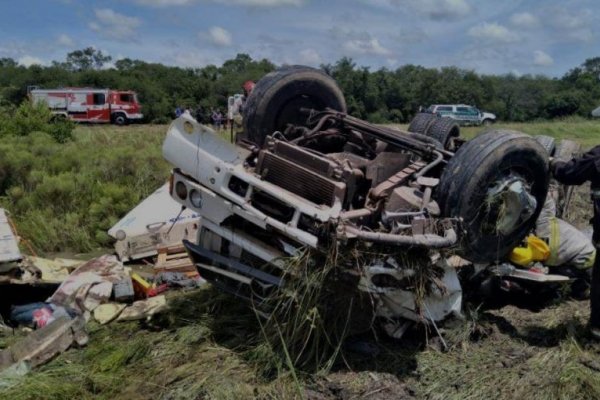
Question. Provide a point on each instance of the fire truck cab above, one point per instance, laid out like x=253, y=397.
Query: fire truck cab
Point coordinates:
x=90, y=105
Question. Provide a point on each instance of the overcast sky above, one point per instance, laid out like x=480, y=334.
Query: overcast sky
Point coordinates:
x=500, y=36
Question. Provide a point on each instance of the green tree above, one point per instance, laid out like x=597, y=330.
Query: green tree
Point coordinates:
x=86, y=59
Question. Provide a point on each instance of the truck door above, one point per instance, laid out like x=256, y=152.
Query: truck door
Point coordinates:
x=98, y=109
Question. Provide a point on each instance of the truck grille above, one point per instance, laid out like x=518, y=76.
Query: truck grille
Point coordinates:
x=299, y=180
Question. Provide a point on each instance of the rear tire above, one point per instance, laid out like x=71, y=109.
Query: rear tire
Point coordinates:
x=443, y=129
x=277, y=98
x=421, y=123
x=470, y=176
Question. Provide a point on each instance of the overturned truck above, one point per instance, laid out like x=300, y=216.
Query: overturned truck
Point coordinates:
x=306, y=175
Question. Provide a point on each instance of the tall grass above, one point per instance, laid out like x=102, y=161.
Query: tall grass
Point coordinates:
x=65, y=196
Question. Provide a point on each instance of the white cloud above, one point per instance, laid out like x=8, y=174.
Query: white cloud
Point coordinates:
x=365, y=46
x=29, y=61
x=65, y=40
x=493, y=32
x=113, y=25
x=218, y=36
x=440, y=10
x=190, y=59
x=310, y=57
x=576, y=26
x=542, y=59
x=249, y=3
x=525, y=20
x=566, y=20
x=445, y=9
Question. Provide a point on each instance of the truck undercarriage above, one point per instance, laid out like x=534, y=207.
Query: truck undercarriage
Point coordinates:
x=307, y=178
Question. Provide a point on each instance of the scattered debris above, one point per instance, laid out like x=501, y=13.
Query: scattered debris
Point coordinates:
x=43, y=344
x=157, y=221
x=175, y=259
x=143, y=309
x=9, y=245
x=90, y=285
x=106, y=313
x=53, y=271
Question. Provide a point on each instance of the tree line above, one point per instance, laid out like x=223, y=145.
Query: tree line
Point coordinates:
x=384, y=95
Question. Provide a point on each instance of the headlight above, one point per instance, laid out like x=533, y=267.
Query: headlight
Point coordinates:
x=181, y=190
x=196, y=198
x=120, y=235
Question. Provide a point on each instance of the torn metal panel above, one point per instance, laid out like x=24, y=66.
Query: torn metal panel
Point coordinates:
x=398, y=302
x=9, y=246
x=156, y=222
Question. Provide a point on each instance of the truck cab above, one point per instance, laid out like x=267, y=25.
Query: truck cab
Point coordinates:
x=124, y=107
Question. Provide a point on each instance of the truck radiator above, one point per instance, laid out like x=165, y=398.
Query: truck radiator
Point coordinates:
x=299, y=180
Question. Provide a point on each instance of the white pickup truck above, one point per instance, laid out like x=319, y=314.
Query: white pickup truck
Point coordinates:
x=463, y=114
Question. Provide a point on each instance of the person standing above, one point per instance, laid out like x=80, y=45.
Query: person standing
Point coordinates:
x=200, y=115
x=576, y=172
x=213, y=117
x=219, y=120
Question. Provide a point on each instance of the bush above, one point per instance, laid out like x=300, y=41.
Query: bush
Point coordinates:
x=28, y=118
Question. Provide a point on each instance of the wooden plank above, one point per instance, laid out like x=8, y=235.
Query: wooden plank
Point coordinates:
x=178, y=248
x=176, y=263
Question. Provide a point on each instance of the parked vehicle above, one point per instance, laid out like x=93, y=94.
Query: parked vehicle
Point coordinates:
x=90, y=105
x=309, y=176
x=463, y=114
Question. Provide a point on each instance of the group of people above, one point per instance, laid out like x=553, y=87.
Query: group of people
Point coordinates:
x=219, y=119
x=215, y=116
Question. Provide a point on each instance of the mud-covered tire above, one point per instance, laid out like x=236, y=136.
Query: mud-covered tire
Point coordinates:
x=547, y=142
x=443, y=129
x=277, y=98
x=473, y=171
x=421, y=123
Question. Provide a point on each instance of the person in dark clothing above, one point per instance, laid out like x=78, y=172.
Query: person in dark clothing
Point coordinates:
x=576, y=172
x=200, y=115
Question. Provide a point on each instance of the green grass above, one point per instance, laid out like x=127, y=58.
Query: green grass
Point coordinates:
x=585, y=131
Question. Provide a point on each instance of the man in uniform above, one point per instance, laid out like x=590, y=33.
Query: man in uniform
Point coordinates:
x=576, y=172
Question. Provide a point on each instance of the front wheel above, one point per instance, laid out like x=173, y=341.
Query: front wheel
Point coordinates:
x=120, y=119
x=487, y=122
x=497, y=184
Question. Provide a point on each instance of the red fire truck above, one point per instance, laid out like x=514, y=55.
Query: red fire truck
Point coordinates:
x=90, y=105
